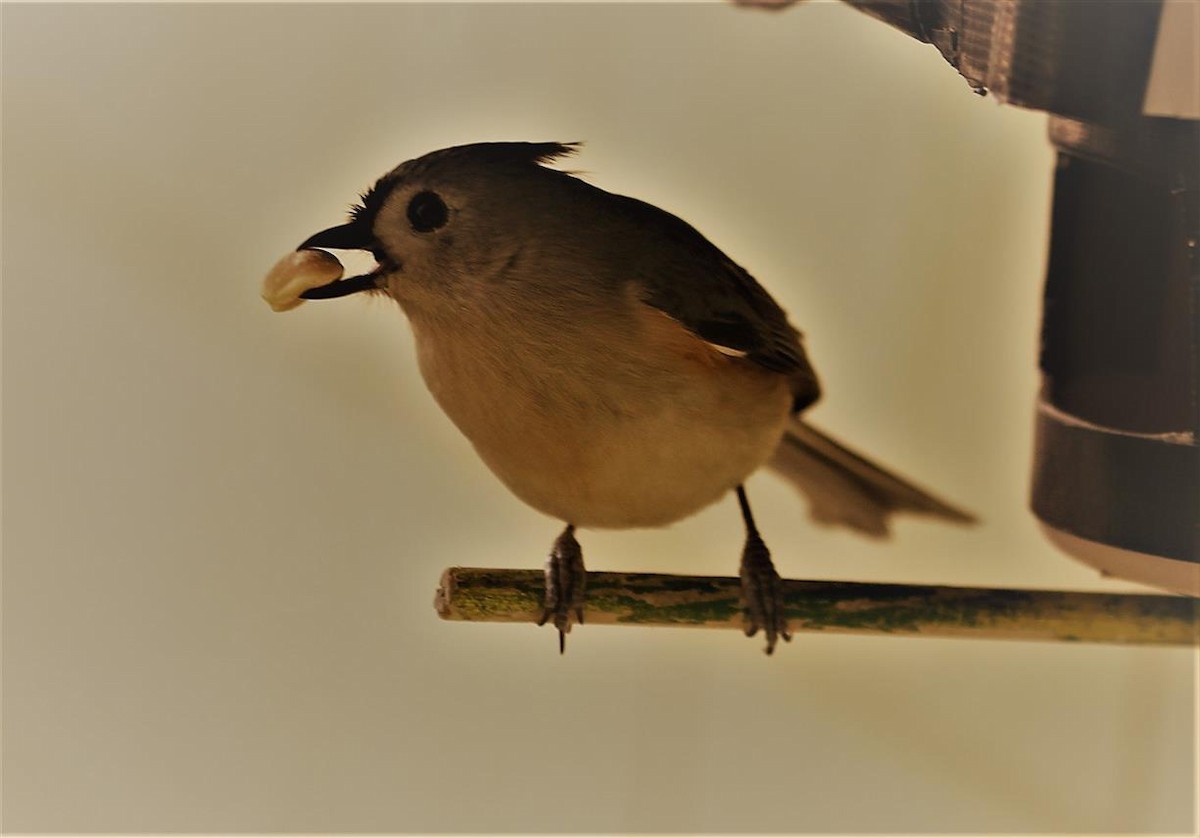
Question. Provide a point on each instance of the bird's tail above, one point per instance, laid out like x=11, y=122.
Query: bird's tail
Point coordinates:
x=845, y=488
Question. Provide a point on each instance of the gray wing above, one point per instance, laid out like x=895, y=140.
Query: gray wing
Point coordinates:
x=687, y=277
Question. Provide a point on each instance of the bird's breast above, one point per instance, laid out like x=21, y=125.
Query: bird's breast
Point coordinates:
x=619, y=419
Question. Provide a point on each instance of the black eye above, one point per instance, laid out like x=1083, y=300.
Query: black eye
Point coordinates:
x=427, y=212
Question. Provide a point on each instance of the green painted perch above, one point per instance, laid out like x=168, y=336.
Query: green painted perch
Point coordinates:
x=651, y=599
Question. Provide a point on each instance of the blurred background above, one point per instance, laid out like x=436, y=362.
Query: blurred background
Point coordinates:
x=223, y=527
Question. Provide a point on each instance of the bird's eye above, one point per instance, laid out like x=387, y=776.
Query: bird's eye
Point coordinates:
x=427, y=212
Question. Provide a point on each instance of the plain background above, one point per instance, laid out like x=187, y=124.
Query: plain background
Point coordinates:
x=223, y=527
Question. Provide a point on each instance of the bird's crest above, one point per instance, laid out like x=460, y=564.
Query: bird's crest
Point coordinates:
x=490, y=154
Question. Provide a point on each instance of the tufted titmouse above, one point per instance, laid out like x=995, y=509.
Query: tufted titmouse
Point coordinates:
x=609, y=364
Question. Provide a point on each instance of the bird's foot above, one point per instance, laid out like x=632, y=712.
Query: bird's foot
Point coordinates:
x=762, y=593
x=566, y=585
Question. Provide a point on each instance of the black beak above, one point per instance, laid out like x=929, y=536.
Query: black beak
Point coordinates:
x=352, y=236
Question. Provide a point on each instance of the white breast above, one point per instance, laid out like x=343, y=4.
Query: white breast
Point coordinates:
x=621, y=420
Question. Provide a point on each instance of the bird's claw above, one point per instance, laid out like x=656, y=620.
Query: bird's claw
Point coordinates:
x=762, y=594
x=566, y=586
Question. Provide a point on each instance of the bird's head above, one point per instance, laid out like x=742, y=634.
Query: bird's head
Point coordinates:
x=447, y=220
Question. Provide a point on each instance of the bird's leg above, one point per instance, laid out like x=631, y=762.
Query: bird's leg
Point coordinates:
x=762, y=590
x=566, y=583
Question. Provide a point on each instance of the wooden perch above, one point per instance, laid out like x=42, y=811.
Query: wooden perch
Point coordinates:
x=514, y=596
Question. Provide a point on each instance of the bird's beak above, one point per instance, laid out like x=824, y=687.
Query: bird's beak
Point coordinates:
x=352, y=236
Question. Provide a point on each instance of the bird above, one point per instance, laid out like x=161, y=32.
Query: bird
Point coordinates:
x=609, y=364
